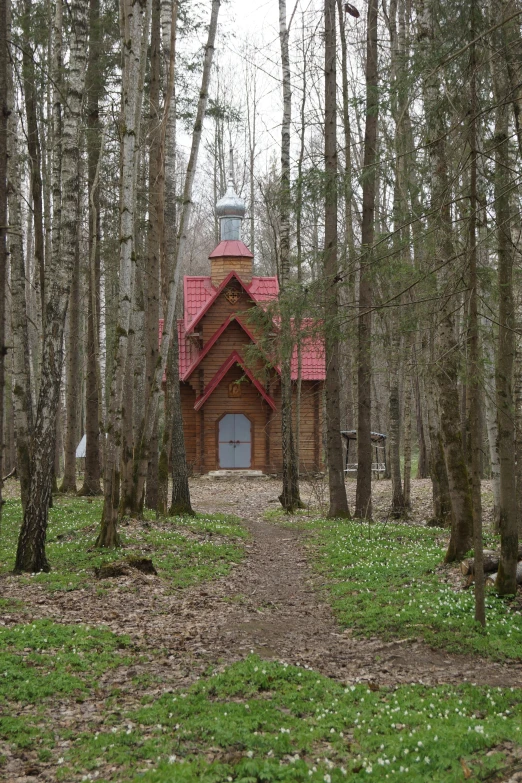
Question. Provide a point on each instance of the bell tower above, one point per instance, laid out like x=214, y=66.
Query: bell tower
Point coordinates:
x=231, y=254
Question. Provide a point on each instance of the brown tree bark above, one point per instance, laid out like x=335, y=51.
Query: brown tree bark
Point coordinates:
x=167, y=233
x=4, y=114
x=289, y=498
x=363, y=498
x=447, y=360
x=506, y=582
x=174, y=265
x=94, y=90
x=334, y=451
x=180, y=500
x=407, y=439
x=135, y=18
x=475, y=380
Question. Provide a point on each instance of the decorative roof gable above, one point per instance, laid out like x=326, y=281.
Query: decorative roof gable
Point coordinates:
x=201, y=294
x=233, y=359
x=213, y=340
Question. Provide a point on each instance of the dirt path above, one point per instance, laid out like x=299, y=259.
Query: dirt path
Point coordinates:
x=277, y=611
x=269, y=604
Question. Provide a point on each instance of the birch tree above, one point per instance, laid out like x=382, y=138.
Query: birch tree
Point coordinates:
x=21, y=365
x=134, y=15
x=31, y=554
x=169, y=325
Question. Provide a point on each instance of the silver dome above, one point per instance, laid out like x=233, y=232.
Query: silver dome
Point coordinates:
x=231, y=205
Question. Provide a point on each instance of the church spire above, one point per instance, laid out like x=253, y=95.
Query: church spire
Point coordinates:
x=231, y=208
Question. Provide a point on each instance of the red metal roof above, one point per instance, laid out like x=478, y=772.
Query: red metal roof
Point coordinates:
x=264, y=288
x=231, y=247
x=196, y=293
x=199, y=293
x=233, y=359
x=313, y=366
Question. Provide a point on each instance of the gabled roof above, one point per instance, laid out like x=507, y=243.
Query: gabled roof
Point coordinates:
x=213, y=340
x=233, y=359
x=199, y=294
x=230, y=248
x=216, y=293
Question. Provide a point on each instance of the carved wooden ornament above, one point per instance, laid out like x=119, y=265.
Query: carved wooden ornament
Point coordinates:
x=232, y=294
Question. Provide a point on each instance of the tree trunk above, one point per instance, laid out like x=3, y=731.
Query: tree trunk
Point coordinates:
x=334, y=450
x=363, y=499
x=290, y=499
x=134, y=23
x=506, y=582
x=169, y=325
x=153, y=261
x=4, y=114
x=167, y=234
x=447, y=361
x=94, y=90
x=407, y=439
x=31, y=554
x=33, y=148
x=72, y=386
x=394, y=424
x=474, y=381
x=180, y=502
x=492, y=430
x=442, y=512
x=21, y=365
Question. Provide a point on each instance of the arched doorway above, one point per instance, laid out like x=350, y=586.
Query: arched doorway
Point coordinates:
x=235, y=441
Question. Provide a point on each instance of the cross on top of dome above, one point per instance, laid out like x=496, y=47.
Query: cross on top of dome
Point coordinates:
x=231, y=208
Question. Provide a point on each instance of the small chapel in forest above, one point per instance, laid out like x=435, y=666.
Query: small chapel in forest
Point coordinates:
x=232, y=412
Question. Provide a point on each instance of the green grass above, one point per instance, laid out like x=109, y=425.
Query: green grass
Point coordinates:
x=43, y=661
x=261, y=721
x=185, y=550
x=381, y=580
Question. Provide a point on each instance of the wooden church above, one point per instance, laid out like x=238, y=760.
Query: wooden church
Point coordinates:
x=231, y=413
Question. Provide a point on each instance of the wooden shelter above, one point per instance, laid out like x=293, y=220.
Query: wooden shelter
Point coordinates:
x=232, y=411
x=378, y=440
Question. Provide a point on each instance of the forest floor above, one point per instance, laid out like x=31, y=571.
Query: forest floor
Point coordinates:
x=233, y=604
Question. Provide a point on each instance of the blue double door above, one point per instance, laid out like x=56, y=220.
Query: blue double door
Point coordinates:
x=235, y=441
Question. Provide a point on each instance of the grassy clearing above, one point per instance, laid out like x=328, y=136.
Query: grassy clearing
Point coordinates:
x=42, y=661
x=382, y=580
x=185, y=550
x=260, y=721
x=255, y=721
